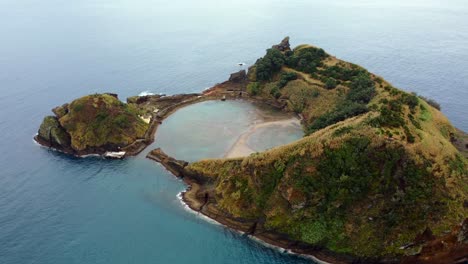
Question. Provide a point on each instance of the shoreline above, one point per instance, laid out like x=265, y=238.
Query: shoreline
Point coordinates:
x=253, y=238
x=190, y=198
x=228, y=90
x=193, y=196
x=196, y=197
x=241, y=148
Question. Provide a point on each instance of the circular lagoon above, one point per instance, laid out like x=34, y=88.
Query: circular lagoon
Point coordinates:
x=215, y=129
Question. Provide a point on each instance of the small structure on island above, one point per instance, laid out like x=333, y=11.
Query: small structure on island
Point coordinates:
x=114, y=154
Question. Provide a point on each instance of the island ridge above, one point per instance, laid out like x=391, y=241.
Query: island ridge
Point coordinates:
x=380, y=176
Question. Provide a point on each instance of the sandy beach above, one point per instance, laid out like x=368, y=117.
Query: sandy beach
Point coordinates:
x=241, y=148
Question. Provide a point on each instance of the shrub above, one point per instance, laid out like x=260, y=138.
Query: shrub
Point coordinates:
x=253, y=88
x=101, y=116
x=330, y=83
x=411, y=100
x=341, y=112
x=269, y=64
x=362, y=89
x=285, y=78
x=306, y=59
x=122, y=121
x=390, y=115
x=341, y=73
x=77, y=107
x=275, y=92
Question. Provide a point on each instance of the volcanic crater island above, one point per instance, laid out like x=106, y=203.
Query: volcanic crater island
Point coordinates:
x=380, y=175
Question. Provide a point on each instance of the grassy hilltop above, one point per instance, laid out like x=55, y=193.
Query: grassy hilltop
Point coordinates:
x=376, y=169
x=93, y=123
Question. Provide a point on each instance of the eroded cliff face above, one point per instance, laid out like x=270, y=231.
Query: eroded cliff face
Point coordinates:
x=92, y=124
x=52, y=132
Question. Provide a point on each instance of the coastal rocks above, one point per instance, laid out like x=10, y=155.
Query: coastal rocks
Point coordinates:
x=113, y=95
x=449, y=248
x=92, y=124
x=142, y=99
x=238, y=77
x=52, y=133
x=176, y=167
x=283, y=46
x=60, y=111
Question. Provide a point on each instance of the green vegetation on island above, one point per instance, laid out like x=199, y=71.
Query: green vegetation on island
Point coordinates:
x=92, y=124
x=377, y=168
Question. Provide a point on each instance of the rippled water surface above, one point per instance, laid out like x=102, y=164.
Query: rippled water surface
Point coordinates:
x=57, y=209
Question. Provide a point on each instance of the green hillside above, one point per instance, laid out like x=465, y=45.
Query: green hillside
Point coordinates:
x=376, y=169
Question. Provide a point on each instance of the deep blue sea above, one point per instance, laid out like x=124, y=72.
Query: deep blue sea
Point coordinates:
x=56, y=209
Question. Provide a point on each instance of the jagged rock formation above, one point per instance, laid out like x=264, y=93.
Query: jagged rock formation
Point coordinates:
x=52, y=132
x=238, y=77
x=283, y=45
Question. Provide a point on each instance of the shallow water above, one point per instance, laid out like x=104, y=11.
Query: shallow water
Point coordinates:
x=269, y=137
x=210, y=129
x=204, y=130
x=57, y=209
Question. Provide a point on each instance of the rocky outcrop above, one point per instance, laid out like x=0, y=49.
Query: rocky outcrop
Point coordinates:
x=116, y=96
x=177, y=167
x=51, y=132
x=450, y=248
x=283, y=45
x=92, y=124
x=60, y=111
x=238, y=77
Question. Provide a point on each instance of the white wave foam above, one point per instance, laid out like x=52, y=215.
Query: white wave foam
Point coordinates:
x=58, y=150
x=145, y=93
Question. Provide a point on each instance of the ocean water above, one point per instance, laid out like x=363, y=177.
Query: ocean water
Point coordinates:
x=59, y=209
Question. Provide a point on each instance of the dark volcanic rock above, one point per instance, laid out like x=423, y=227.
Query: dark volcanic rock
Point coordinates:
x=177, y=167
x=463, y=234
x=60, y=111
x=283, y=46
x=50, y=131
x=238, y=76
x=113, y=95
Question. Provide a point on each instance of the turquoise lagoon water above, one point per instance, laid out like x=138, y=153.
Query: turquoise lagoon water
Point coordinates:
x=56, y=209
